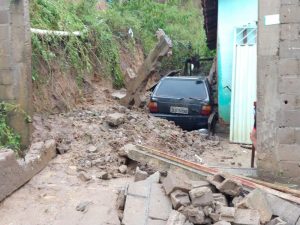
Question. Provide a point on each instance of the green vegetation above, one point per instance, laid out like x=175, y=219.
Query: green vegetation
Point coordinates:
x=8, y=138
x=105, y=31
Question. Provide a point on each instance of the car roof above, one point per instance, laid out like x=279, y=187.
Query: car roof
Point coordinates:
x=185, y=78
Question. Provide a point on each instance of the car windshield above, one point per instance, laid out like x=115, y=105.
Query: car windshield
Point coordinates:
x=182, y=88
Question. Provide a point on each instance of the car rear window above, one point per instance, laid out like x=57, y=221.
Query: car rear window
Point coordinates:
x=181, y=88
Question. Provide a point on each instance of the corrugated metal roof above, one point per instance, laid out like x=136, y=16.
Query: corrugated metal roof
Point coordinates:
x=210, y=13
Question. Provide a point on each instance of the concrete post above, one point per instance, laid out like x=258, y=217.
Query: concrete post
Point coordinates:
x=15, y=63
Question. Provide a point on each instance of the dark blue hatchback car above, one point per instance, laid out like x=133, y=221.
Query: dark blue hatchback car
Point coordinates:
x=185, y=100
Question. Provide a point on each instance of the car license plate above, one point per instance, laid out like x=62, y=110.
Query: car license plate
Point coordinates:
x=179, y=110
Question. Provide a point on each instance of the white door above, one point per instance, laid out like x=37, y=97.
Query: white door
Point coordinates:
x=244, y=86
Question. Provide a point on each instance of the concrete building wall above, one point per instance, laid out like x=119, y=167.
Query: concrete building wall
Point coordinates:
x=278, y=115
x=15, y=62
x=231, y=14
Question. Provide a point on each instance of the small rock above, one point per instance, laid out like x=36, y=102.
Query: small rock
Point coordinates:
x=83, y=206
x=123, y=169
x=115, y=119
x=103, y=176
x=140, y=175
x=92, y=149
x=84, y=176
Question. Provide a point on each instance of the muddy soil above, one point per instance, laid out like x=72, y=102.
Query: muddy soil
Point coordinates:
x=96, y=142
x=89, y=144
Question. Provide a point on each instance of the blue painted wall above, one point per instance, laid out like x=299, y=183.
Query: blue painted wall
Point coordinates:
x=231, y=14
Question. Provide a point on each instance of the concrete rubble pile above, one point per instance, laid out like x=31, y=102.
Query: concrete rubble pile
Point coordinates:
x=219, y=200
x=98, y=138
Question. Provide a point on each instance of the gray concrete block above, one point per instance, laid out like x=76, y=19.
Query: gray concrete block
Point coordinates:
x=289, y=67
x=201, y=196
x=290, y=49
x=179, y=198
x=4, y=16
x=225, y=184
x=176, y=181
x=286, y=135
x=256, y=200
x=267, y=7
x=290, y=169
x=289, y=85
x=288, y=118
x=268, y=40
x=220, y=198
x=227, y=214
x=4, y=32
x=6, y=77
x=289, y=2
x=290, y=14
x=297, y=136
x=7, y=92
x=246, y=217
x=288, y=152
x=284, y=209
x=288, y=101
x=289, y=32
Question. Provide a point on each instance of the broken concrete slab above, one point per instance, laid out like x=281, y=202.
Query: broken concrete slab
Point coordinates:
x=175, y=181
x=146, y=201
x=220, y=198
x=156, y=222
x=256, y=200
x=15, y=173
x=236, y=200
x=201, y=196
x=193, y=214
x=135, y=211
x=227, y=214
x=200, y=183
x=179, y=198
x=277, y=221
x=115, y=119
x=140, y=175
x=160, y=205
x=246, y=217
x=285, y=210
x=176, y=218
x=222, y=223
x=225, y=184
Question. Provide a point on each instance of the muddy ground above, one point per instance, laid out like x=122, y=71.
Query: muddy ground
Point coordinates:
x=89, y=144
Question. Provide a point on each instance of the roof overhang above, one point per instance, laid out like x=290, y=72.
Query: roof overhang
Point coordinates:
x=210, y=13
